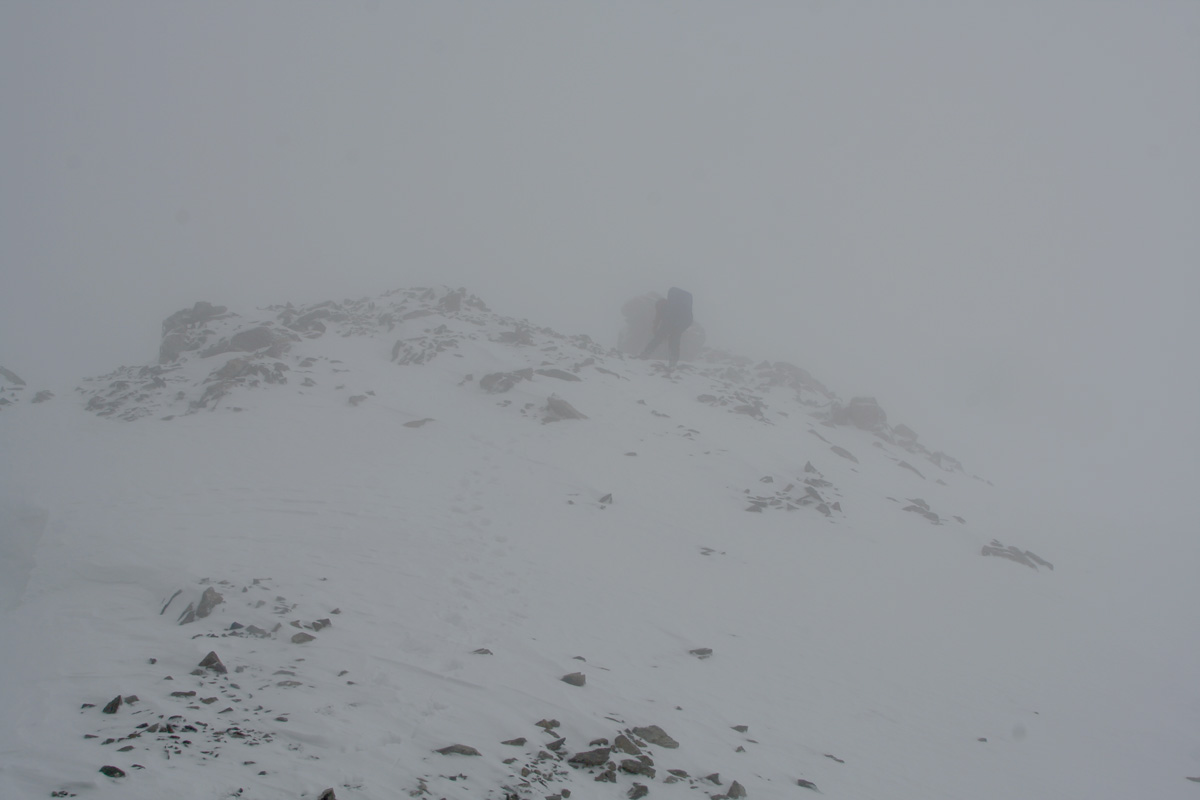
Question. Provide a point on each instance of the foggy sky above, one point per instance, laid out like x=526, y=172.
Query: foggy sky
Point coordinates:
x=986, y=215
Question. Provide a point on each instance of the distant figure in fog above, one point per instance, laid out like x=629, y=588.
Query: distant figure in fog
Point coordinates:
x=672, y=316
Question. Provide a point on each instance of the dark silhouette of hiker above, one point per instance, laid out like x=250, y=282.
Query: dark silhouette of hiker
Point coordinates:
x=672, y=317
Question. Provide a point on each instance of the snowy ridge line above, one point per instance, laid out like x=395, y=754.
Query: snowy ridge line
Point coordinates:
x=209, y=356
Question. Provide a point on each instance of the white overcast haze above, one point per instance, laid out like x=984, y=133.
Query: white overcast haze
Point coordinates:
x=985, y=215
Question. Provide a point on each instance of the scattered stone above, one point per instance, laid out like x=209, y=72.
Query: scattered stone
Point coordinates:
x=741, y=728
x=557, y=744
x=547, y=724
x=518, y=742
x=208, y=601
x=212, y=662
x=416, y=423
x=607, y=776
x=327, y=795
x=807, y=784
x=458, y=750
x=188, y=615
x=42, y=396
x=590, y=758
x=574, y=678
x=606, y=500
x=637, y=790
x=500, y=382
x=656, y=735
x=844, y=453
x=633, y=766
x=625, y=745
x=736, y=790
x=483, y=651
x=835, y=758
x=183, y=694
x=714, y=778
x=112, y=706
x=113, y=772
x=1026, y=557
x=561, y=374
x=982, y=739
x=702, y=652
x=321, y=623
x=559, y=409
x=301, y=638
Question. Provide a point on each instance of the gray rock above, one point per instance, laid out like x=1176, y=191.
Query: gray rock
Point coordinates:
x=458, y=750
x=736, y=790
x=500, y=382
x=559, y=409
x=519, y=742
x=591, y=758
x=11, y=377
x=417, y=423
x=199, y=313
x=1026, y=557
x=42, y=396
x=208, y=601
x=248, y=341
x=701, y=652
x=575, y=679
x=807, y=784
x=638, y=790
x=112, y=706
x=561, y=374
x=633, y=766
x=211, y=661
x=624, y=744
x=844, y=453
x=925, y=512
x=656, y=735
x=112, y=772
x=327, y=795
x=302, y=638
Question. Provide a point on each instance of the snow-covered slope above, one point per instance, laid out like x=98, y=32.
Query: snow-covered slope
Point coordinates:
x=420, y=516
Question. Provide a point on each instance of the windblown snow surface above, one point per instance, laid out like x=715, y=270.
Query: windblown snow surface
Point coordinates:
x=802, y=605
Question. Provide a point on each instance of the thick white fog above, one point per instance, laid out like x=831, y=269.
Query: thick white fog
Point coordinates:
x=984, y=215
